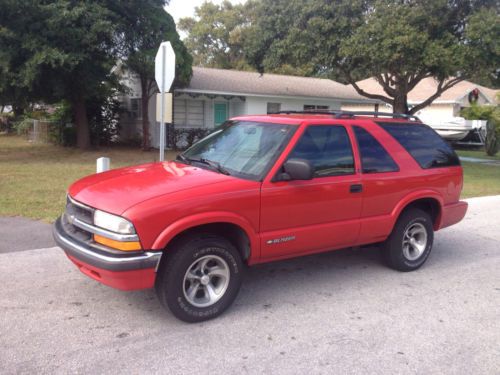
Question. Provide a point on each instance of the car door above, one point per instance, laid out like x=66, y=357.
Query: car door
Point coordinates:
x=300, y=217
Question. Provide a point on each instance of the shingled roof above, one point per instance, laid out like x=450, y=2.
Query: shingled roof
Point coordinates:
x=427, y=87
x=221, y=81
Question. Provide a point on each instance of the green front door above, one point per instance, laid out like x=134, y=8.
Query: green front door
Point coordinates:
x=220, y=113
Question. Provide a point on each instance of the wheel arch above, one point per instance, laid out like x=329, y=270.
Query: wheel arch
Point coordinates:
x=235, y=228
x=428, y=201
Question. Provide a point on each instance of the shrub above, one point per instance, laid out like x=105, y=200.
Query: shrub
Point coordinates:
x=23, y=125
x=62, y=131
x=492, y=115
x=104, y=114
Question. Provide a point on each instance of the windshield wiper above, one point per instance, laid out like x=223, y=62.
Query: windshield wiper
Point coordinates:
x=215, y=165
x=183, y=158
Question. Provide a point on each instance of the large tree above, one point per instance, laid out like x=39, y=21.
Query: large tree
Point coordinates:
x=142, y=27
x=64, y=50
x=398, y=42
x=215, y=35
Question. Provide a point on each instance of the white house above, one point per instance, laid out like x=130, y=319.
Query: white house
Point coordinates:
x=215, y=95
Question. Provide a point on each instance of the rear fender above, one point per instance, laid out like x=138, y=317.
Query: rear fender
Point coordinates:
x=412, y=197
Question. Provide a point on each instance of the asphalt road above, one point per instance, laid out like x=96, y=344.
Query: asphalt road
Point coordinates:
x=336, y=313
x=18, y=234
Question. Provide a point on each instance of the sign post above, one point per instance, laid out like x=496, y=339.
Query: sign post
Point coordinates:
x=164, y=76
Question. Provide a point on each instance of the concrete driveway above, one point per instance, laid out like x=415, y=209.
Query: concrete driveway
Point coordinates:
x=335, y=313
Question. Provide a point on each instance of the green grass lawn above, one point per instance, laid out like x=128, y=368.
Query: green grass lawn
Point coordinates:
x=480, y=154
x=34, y=177
x=480, y=180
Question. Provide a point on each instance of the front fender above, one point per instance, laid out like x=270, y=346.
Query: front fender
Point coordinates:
x=192, y=221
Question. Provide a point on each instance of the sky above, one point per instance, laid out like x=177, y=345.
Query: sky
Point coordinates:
x=185, y=8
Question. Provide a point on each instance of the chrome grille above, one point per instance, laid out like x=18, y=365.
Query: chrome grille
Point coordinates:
x=76, y=210
x=79, y=211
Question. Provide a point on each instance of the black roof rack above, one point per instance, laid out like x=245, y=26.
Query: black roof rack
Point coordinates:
x=349, y=114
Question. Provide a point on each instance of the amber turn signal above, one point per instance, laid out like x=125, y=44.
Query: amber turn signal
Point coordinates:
x=118, y=245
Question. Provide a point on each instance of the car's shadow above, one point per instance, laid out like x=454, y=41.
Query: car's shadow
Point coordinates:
x=282, y=280
x=320, y=274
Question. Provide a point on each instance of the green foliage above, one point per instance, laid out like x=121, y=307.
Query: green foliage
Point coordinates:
x=57, y=50
x=492, y=115
x=62, y=131
x=66, y=50
x=484, y=35
x=397, y=42
x=23, y=125
x=104, y=113
x=142, y=26
x=217, y=32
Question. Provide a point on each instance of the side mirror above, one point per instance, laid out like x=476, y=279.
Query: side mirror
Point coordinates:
x=297, y=169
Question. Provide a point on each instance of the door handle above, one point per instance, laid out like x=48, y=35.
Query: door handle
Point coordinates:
x=356, y=188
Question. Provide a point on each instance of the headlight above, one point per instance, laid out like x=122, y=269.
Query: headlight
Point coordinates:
x=113, y=223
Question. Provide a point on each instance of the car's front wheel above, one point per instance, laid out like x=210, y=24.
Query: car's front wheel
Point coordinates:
x=410, y=242
x=200, y=277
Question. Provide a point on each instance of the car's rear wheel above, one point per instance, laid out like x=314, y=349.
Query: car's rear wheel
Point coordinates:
x=410, y=242
x=200, y=277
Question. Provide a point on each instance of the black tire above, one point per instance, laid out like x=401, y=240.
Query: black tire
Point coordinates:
x=407, y=258
x=172, y=278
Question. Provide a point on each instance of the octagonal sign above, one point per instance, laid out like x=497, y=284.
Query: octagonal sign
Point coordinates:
x=165, y=67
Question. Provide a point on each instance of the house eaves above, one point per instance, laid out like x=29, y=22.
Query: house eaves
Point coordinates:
x=235, y=93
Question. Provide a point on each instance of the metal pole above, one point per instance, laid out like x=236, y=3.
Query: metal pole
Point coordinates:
x=162, y=112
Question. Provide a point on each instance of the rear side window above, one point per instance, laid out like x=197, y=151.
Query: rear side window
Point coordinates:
x=374, y=157
x=328, y=149
x=423, y=143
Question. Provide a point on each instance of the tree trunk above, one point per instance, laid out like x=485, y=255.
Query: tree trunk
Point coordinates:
x=400, y=104
x=18, y=110
x=146, y=144
x=82, y=123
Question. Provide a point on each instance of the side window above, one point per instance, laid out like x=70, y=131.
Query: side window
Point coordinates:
x=374, y=157
x=328, y=149
x=423, y=143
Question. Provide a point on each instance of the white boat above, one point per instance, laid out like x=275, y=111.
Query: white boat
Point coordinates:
x=456, y=128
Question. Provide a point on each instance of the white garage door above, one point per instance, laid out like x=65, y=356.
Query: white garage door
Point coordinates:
x=189, y=113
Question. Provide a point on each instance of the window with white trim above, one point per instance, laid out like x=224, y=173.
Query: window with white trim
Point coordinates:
x=189, y=113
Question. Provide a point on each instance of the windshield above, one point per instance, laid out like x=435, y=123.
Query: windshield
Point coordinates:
x=243, y=149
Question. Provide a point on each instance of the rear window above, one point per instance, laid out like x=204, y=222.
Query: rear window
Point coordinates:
x=423, y=143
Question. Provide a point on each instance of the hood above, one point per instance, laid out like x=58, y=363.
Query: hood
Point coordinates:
x=116, y=190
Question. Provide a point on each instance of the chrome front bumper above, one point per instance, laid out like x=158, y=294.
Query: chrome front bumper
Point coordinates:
x=94, y=256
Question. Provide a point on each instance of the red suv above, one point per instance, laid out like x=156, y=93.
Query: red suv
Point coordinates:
x=259, y=189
